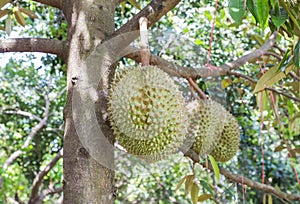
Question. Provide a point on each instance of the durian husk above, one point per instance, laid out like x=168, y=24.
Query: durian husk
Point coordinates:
x=206, y=122
x=229, y=141
x=147, y=112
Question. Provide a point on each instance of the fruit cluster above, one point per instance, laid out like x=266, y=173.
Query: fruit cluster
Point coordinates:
x=151, y=120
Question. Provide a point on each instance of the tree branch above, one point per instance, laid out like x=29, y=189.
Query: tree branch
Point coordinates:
x=34, y=197
x=245, y=181
x=268, y=88
x=251, y=56
x=23, y=113
x=53, y=3
x=31, y=135
x=294, y=76
x=153, y=12
x=50, y=46
x=50, y=191
x=204, y=72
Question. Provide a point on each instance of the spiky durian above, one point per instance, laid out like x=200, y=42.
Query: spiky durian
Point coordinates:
x=229, y=142
x=206, y=124
x=147, y=112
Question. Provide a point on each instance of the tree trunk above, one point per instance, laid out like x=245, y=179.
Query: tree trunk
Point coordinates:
x=88, y=147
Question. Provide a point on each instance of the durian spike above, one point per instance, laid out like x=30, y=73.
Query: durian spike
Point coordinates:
x=145, y=51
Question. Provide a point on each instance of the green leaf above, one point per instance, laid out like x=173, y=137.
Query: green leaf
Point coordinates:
x=225, y=83
x=262, y=100
x=189, y=182
x=215, y=167
x=271, y=77
x=207, y=186
x=252, y=9
x=273, y=2
x=270, y=200
x=180, y=183
x=8, y=25
x=135, y=4
x=236, y=10
x=297, y=54
x=291, y=15
x=19, y=17
x=194, y=193
x=204, y=197
x=258, y=39
x=278, y=16
x=123, y=5
x=29, y=13
x=263, y=9
x=279, y=148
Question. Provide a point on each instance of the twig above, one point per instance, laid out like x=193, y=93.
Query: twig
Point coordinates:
x=268, y=88
x=23, y=113
x=49, y=191
x=294, y=76
x=253, y=55
x=277, y=56
x=39, y=178
x=196, y=87
x=245, y=181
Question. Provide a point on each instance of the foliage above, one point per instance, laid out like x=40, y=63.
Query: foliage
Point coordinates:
x=23, y=90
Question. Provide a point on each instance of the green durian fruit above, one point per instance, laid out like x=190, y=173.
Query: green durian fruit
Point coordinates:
x=229, y=142
x=147, y=112
x=206, y=119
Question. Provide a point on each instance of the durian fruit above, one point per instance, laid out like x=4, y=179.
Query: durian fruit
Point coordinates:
x=207, y=119
x=147, y=112
x=229, y=142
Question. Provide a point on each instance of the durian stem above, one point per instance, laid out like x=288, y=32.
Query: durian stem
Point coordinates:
x=145, y=51
x=196, y=87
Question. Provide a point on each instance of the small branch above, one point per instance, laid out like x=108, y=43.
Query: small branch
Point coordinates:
x=31, y=135
x=283, y=93
x=251, y=56
x=39, y=178
x=268, y=88
x=277, y=56
x=294, y=76
x=242, y=76
x=169, y=67
x=50, y=46
x=50, y=191
x=196, y=87
x=23, y=113
x=53, y=3
x=245, y=181
x=153, y=12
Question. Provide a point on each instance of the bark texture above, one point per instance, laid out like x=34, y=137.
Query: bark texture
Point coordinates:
x=86, y=180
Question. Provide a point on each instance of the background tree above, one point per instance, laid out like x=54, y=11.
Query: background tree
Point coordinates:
x=32, y=97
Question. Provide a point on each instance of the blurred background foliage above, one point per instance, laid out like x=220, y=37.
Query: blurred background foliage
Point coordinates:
x=182, y=37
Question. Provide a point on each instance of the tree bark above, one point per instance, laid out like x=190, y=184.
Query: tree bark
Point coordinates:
x=88, y=171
